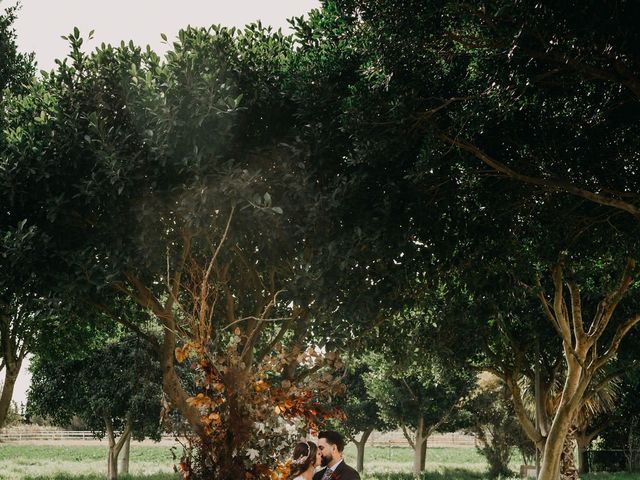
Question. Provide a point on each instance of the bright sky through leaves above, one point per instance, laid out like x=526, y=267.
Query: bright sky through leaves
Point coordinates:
x=41, y=23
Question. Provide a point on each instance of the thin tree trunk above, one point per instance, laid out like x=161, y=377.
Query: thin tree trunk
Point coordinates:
x=171, y=383
x=112, y=464
x=360, y=448
x=124, y=460
x=112, y=456
x=11, y=375
x=583, y=440
x=423, y=455
x=420, y=448
x=115, y=447
x=11, y=359
x=583, y=466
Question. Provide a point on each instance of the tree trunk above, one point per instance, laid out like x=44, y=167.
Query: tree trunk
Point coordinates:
x=11, y=358
x=112, y=456
x=112, y=464
x=550, y=468
x=115, y=447
x=423, y=455
x=419, y=448
x=360, y=449
x=124, y=460
x=172, y=386
x=567, y=460
x=11, y=375
x=171, y=383
x=583, y=443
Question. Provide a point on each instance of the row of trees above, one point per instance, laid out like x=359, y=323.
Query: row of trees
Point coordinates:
x=458, y=181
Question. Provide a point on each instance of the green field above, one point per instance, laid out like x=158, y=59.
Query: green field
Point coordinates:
x=19, y=462
x=46, y=462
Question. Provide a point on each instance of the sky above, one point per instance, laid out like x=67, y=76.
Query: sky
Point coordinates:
x=41, y=23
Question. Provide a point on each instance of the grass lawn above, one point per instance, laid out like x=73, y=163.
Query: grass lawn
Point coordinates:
x=400, y=459
x=18, y=462
x=149, y=462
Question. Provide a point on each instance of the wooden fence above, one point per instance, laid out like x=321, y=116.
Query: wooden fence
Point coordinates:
x=10, y=435
x=377, y=439
x=397, y=439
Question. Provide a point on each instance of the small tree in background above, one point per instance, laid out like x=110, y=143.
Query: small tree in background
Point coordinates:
x=361, y=413
x=420, y=396
x=114, y=388
x=495, y=426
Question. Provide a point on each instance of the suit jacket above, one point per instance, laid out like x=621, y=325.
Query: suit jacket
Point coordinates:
x=343, y=472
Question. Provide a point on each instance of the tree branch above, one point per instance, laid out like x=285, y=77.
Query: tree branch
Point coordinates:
x=408, y=437
x=576, y=313
x=621, y=332
x=550, y=183
x=608, y=304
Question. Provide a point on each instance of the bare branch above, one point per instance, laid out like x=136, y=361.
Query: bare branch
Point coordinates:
x=621, y=332
x=174, y=286
x=559, y=305
x=547, y=308
x=550, y=183
x=204, y=285
x=576, y=312
x=299, y=314
x=608, y=304
x=408, y=437
x=526, y=423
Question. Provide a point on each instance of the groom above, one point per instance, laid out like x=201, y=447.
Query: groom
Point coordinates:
x=330, y=447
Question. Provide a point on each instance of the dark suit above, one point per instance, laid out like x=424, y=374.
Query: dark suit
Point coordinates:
x=342, y=472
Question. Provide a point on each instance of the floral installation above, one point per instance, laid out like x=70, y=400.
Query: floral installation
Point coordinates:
x=251, y=415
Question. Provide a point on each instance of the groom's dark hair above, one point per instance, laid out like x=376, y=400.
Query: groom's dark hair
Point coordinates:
x=334, y=438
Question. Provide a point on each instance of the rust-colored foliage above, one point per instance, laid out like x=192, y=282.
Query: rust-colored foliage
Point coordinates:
x=250, y=415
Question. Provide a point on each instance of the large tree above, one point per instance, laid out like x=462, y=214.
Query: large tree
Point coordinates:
x=19, y=310
x=407, y=99
x=178, y=185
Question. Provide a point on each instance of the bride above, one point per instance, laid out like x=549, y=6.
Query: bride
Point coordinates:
x=304, y=461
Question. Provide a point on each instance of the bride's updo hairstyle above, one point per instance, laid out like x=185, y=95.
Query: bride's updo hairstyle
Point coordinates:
x=304, y=454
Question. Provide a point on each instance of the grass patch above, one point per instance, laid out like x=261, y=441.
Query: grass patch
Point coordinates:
x=148, y=462
x=86, y=462
x=442, y=474
x=155, y=462
x=386, y=460
x=612, y=476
